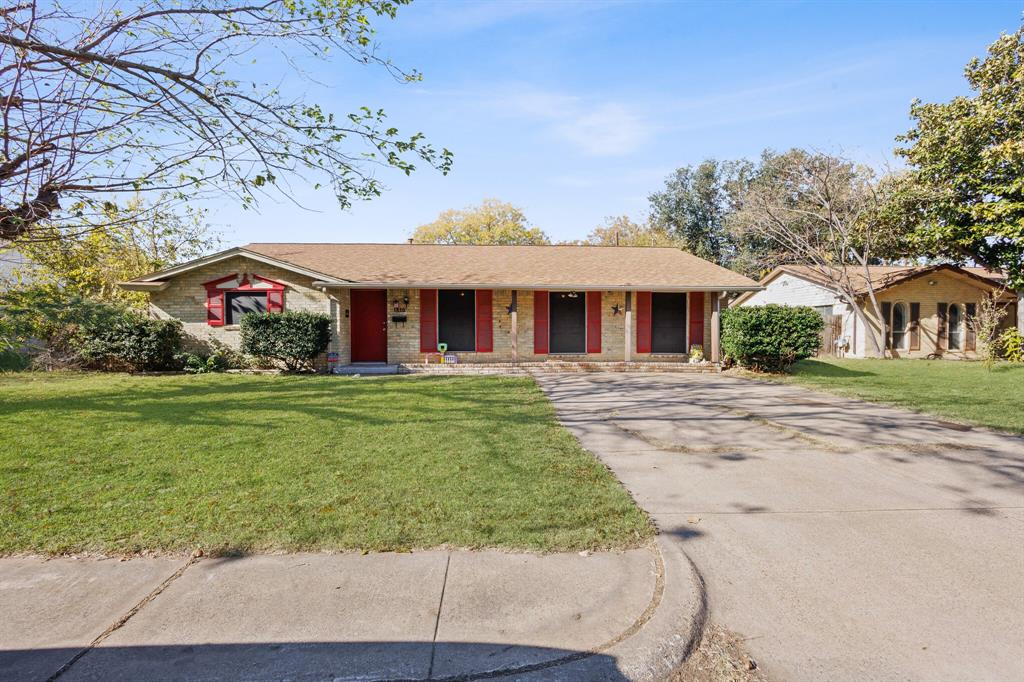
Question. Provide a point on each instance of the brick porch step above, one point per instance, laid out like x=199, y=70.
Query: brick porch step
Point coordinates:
x=555, y=367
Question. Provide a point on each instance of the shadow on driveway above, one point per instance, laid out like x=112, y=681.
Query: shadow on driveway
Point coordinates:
x=310, y=661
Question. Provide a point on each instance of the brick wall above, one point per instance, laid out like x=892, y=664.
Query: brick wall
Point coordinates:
x=404, y=341
x=185, y=300
x=947, y=288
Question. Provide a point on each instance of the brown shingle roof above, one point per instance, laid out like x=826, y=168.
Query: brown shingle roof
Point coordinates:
x=507, y=266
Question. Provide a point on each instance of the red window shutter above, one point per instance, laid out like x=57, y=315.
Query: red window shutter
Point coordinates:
x=696, y=305
x=643, y=322
x=275, y=301
x=428, y=320
x=214, y=307
x=540, y=322
x=484, y=321
x=593, y=321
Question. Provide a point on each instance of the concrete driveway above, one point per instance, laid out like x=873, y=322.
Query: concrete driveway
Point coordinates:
x=843, y=540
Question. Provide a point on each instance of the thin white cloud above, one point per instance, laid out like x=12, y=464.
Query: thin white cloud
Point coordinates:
x=592, y=126
x=606, y=130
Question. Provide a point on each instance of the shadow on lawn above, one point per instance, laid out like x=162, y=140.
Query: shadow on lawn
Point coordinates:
x=371, y=660
x=379, y=402
x=817, y=368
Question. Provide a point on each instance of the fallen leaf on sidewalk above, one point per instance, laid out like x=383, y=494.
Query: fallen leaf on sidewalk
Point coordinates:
x=692, y=519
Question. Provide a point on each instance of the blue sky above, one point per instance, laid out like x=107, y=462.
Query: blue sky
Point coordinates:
x=575, y=111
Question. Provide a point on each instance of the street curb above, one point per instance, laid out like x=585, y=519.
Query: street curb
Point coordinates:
x=674, y=631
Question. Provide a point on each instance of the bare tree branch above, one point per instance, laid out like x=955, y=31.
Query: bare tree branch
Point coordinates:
x=157, y=96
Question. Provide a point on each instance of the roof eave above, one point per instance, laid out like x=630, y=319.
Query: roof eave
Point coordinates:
x=224, y=255
x=158, y=285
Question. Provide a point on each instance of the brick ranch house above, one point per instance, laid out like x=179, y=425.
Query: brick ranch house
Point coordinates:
x=927, y=309
x=393, y=303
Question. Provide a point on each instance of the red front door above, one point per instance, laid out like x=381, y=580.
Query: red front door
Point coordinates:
x=369, y=325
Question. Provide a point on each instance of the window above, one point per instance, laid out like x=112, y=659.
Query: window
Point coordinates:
x=456, y=319
x=954, y=320
x=241, y=302
x=668, y=323
x=899, y=326
x=567, y=313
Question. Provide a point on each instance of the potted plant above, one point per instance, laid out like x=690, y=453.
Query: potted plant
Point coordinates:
x=696, y=354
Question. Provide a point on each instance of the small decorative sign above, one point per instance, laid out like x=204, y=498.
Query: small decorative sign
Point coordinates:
x=332, y=357
x=451, y=359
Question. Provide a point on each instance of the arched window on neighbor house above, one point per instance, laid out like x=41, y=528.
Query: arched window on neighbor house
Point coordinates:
x=955, y=319
x=899, y=326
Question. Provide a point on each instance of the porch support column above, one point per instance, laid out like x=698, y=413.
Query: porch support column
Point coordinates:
x=514, y=314
x=627, y=353
x=716, y=298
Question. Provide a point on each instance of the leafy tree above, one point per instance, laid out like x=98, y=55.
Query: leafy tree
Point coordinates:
x=694, y=204
x=621, y=231
x=122, y=244
x=821, y=211
x=492, y=222
x=963, y=197
x=99, y=99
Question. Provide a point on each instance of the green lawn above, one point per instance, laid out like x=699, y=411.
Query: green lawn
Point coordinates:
x=122, y=464
x=962, y=391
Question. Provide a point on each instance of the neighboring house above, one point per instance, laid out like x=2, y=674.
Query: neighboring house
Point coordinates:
x=394, y=303
x=926, y=308
x=15, y=269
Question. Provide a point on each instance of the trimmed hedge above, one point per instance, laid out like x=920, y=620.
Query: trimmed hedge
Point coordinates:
x=294, y=338
x=772, y=337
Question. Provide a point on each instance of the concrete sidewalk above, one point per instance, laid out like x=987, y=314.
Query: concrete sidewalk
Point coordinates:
x=417, y=616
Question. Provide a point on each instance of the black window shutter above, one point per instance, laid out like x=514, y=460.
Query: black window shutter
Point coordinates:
x=969, y=342
x=940, y=339
x=915, y=326
x=886, y=326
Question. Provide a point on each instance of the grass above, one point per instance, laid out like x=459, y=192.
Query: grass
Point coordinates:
x=961, y=391
x=117, y=464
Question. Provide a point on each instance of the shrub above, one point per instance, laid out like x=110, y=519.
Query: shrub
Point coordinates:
x=1011, y=345
x=770, y=338
x=196, y=363
x=12, y=361
x=133, y=342
x=294, y=338
x=49, y=326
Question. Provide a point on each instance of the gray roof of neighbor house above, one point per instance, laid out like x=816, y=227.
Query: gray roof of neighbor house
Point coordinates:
x=882, y=276
x=522, y=267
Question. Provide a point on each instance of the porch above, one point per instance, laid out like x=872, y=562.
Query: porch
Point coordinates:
x=548, y=367
x=463, y=330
